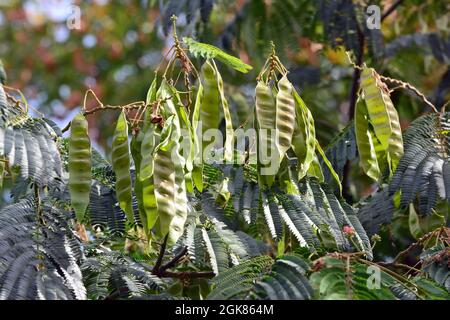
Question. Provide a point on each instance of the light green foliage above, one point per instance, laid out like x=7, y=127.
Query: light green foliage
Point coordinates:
x=208, y=51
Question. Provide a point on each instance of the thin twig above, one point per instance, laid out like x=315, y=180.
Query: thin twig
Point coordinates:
x=130, y=106
x=444, y=106
x=160, y=256
x=405, y=85
x=174, y=260
x=416, y=244
x=399, y=265
x=391, y=9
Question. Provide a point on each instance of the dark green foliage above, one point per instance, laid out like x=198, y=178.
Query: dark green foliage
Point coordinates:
x=110, y=274
x=376, y=211
x=263, y=278
x=286, y=281
x=104, y=210
x=341, y=149
x=39, y=253
x=190, y=7
x=431, y=43
x=423, y=170
x=210, y=242
x=239, y=280
x=28, y=144
x=242, y=239
x=315, y=217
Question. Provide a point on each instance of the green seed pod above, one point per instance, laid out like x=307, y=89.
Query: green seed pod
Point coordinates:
x=79, y=165
x=121, y=166
x=197, y=171
x=179, y=219
x=209, y=110
x=304, y=136
x=146, y=176
x=147, y=147
x=135, y=149
x=285, y=120
x=136, y=146
x=396, y=140
x=266, y=121
x=229, y=132
x=376, y=105
x=164, y=180
x=364, y=140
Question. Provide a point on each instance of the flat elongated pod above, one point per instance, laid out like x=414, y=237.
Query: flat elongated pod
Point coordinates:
x=147, y=147
x=148, y=199
x=266, y=122
x=304, y=136
x=149, y=202
x=121, y=167
x=177, y=224
x=364, y=140
x=209, y=110
x=135, y=144
x=285, y=120
x=164, y=180
x=197, y=172
x=79, y=165
x=396, y=140
x=229, y=132
x=136, y=152
x=376, y=100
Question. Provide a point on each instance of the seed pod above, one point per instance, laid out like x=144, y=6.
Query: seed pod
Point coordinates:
x=79, y=165
x=177, y=223
x=164, y=180
x=229, y=132
x=374, y=97
x=197, y=172
x=304, y=136
x=209, y=110
x=136, y=142
x=146, y=176
x=364, y=140
x=266, y=118
x=121, y=166
x=285, y=120
x=396, y=139
x=136, y=146
x=147, y=147
x=149, y=202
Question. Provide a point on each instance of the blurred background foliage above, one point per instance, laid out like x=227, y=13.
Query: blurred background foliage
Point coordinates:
x=118, y=45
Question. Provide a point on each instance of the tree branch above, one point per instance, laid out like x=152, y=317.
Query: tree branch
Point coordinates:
x=174, y=260
x=160, y=256
x=351, y=110
x=391, y=9
x=130, y=106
